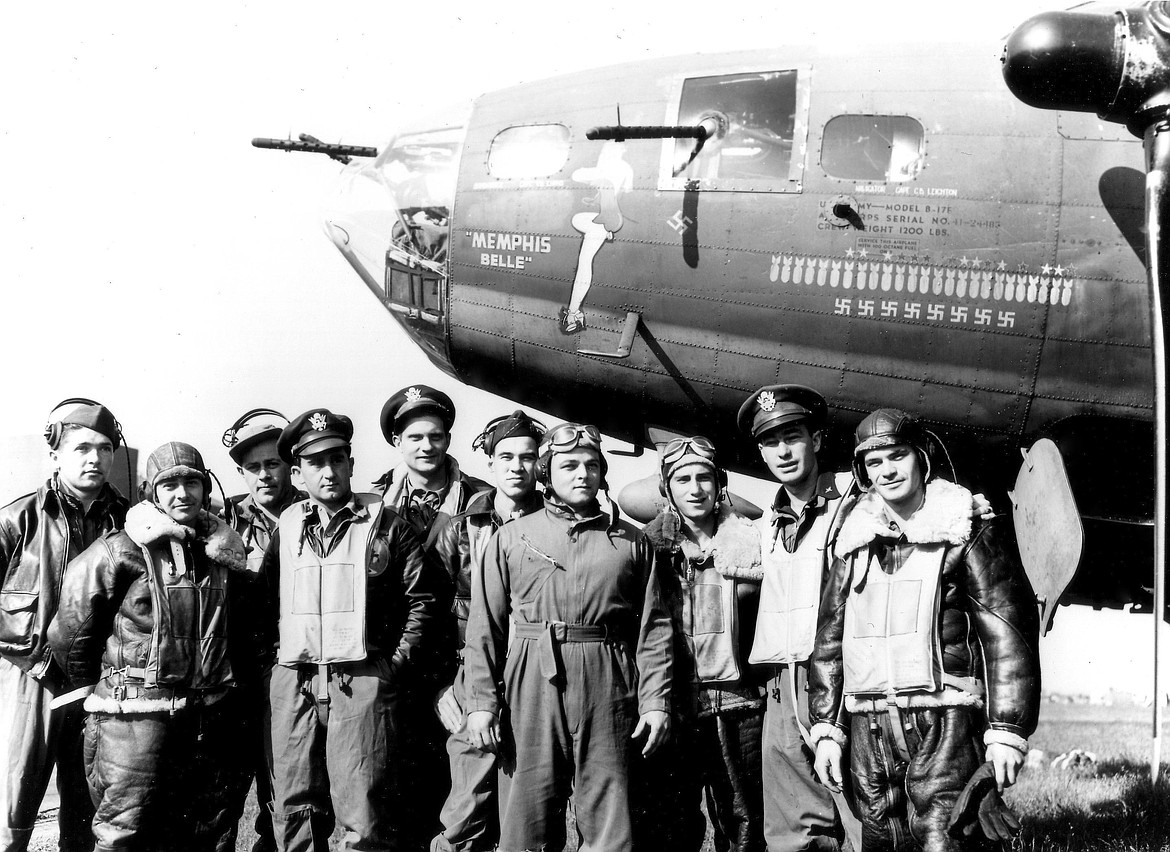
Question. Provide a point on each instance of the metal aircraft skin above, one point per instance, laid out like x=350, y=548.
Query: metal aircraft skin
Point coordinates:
x=889, y=226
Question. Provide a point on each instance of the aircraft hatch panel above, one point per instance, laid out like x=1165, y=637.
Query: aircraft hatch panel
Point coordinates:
x=1048, y=525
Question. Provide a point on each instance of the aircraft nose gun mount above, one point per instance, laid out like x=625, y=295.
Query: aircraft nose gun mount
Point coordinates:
x=1117, y=65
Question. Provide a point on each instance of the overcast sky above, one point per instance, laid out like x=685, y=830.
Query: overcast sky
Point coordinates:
x=153, y=260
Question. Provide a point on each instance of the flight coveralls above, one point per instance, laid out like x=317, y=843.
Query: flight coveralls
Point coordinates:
x=719, y=706
x=153, y=618
x=431, y=514
x=471, y=813
x=354, y=603
x=39, y=534
x=255, y=526
x=592, y=651
x=927, y=639
x=798, y=811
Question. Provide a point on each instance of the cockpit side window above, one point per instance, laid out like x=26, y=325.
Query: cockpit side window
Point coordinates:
x=761, y=118
x=529, y=151
x=877, y=148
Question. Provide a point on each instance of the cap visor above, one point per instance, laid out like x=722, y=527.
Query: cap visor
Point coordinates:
x=238, y=450
x=779, y=420
x=421, y=408
x=320, y=445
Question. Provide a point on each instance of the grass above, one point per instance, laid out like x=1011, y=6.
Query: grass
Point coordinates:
x=1114, y=808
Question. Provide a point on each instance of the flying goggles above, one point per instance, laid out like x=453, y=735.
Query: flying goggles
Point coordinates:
x=569, y=436
x=676, y=448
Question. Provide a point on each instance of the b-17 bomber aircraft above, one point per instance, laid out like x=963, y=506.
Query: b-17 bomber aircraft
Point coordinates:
x=641, y=246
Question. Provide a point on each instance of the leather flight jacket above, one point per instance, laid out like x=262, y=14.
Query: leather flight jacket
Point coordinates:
x=442, y=530
x=152, y=617
x=39, y=535
x=987, y=623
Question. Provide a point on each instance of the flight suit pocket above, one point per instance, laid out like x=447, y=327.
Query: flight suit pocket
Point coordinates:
x=706, y=609
x=535, y=571
x=337, y=587
x=18, y=612
x=869, y=612
x=306, y=597
x=905, y=597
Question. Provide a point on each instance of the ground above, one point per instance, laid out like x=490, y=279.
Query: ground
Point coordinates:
x=1110, y=805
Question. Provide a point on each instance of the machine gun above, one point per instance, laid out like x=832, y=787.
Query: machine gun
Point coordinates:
x=312, y=145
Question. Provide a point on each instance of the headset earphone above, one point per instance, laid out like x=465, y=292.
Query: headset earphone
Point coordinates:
x=230, y=434
x=54, y=429
x=480, y=442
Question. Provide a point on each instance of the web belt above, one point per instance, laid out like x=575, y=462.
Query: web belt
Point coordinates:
x=550, y=634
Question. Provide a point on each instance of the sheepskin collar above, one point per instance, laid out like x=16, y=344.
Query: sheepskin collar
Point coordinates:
x=397, y=488
x=735, y=545
x=945, y=517
x=146, y=524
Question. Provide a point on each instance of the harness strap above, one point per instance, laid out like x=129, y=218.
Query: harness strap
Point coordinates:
x=897, y=726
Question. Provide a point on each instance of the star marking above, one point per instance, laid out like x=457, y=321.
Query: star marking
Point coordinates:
x=1001, y=266
x=849, y=252
x=1059, y=270
x=963, y=261
x=1045, y=269
x=863, y=253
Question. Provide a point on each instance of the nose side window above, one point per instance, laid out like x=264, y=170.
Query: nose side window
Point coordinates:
x=760, y=118
x=873, y=148
x=529, y=151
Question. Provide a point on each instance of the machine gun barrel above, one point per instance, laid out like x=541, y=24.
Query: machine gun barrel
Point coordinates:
x=313, y=146
x=622, y=132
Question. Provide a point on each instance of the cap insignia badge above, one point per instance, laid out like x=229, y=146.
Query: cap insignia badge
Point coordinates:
x=767, y=401
x=413, y=395
x=318, y=421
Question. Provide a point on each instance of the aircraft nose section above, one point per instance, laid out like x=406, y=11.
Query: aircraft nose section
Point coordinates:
x=1114, y=63
x=358, y=217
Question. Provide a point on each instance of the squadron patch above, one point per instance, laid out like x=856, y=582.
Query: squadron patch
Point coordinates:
x=767, y=401
x=318, y=422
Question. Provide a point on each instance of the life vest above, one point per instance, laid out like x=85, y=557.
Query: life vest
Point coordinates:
x=323, y=600
x=188, y=643
x=790, y=593
x=710, y=617
x=890, y=644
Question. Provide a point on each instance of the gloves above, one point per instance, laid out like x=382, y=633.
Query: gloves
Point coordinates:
x=980, y=805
